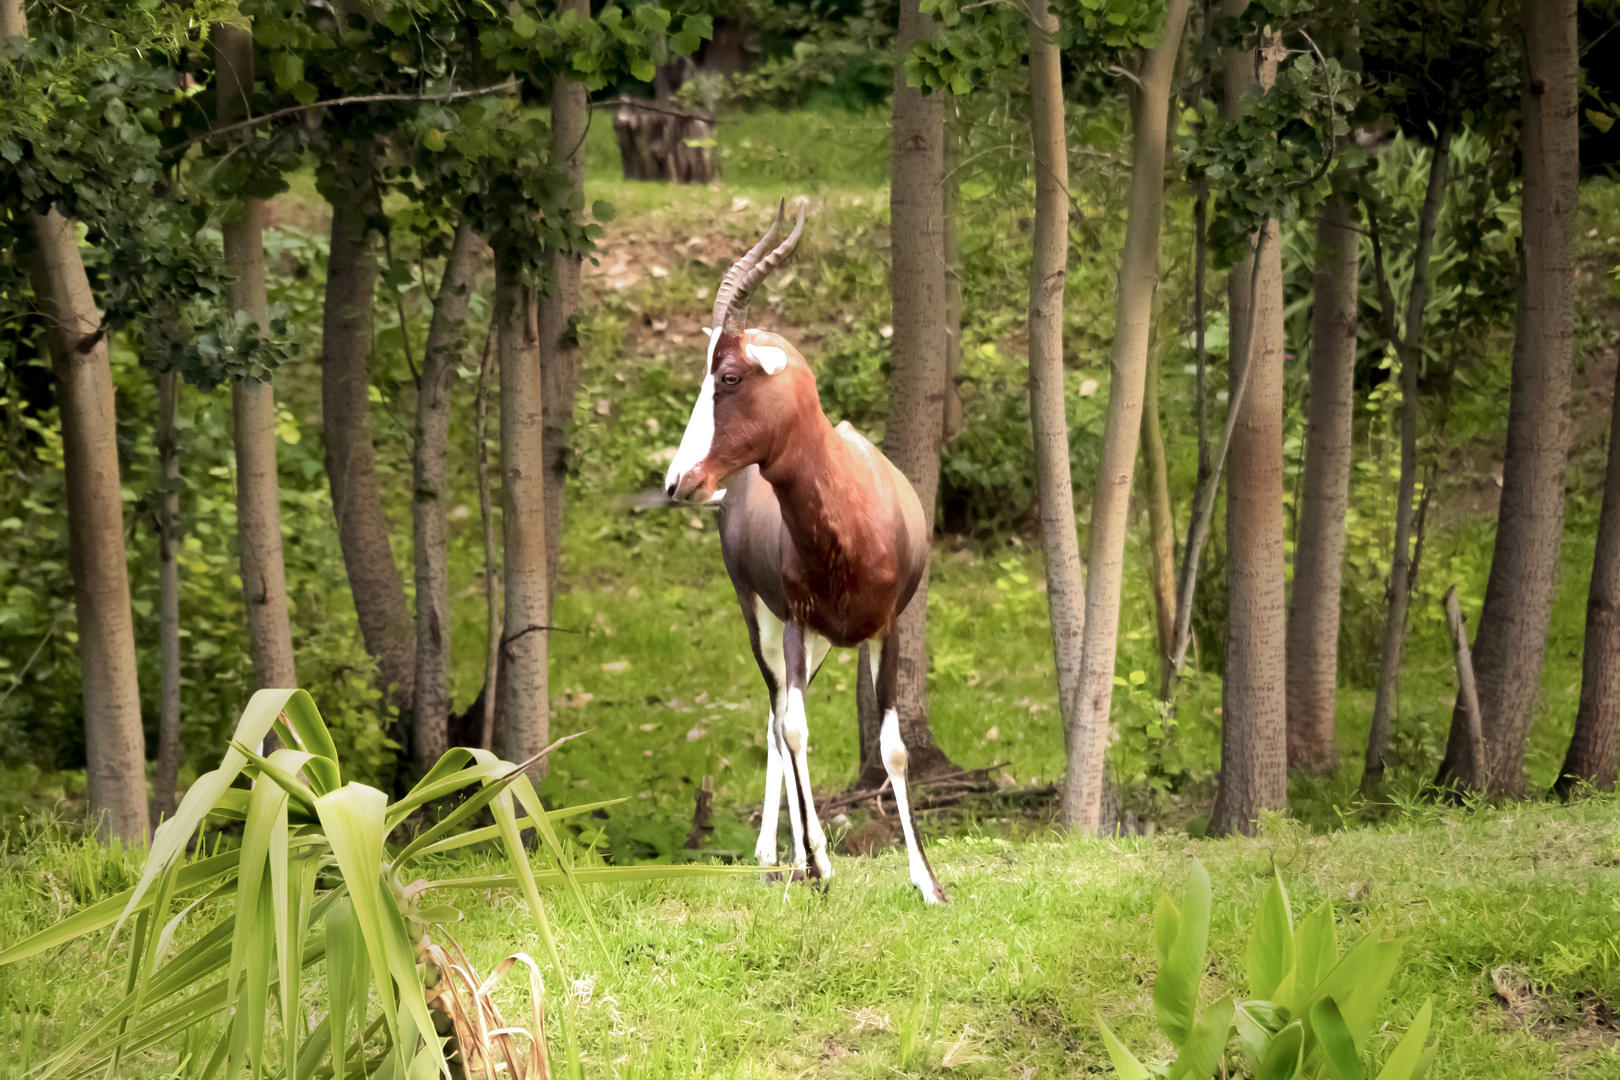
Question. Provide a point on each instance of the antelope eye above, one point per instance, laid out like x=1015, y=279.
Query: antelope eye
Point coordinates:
x=730, y=380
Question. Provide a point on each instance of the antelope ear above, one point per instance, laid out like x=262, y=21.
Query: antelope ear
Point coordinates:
x=769, y=357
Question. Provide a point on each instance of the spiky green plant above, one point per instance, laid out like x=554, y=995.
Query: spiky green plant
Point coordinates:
x=315, y=883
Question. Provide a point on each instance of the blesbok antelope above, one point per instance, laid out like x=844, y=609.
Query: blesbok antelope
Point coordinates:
x=824, y=538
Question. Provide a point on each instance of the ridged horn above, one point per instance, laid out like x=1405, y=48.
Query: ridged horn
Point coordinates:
x=731, y=302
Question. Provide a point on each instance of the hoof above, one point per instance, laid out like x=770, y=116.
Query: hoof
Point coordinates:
x=932, y=894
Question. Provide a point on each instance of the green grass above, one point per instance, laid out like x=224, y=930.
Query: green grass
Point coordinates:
x=734, y=978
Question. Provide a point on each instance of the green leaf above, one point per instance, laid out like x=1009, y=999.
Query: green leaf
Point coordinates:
x=603, y=211
x=1175, y=990
x=1358, y=982
x=1255, y=1030
x=1125, y=1062
x=345, y=979
x=1316, y=950
x=1409, y=1059
x=1271, y=942
x=1286, y=1056
x=643, y=69
x=1338, y=1047
x=1202, y=1052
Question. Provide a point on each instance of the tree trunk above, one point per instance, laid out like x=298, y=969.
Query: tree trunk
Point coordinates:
x=489, y=699
x=1512, y=635
x=429, y=504
x=523, y=496
x=114, y=744
x=916, y=419
x=1110, y=508
x=1592, y=750
x=559, y=352
x=1407, y=348
x=1048, y=276
x=1254, y=758
x=952, y=424
x=1161, y=525
x=253, y=404
x=168, y=529
x=375, y=581
x=1313, y=616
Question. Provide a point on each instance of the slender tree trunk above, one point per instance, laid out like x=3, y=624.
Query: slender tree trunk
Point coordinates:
x=114, y=743
x=559, y=353
x=375, y=581
x=1313, y=616
x=492, y=558
x=1048, y=276
x=168, y=529
x=523, y=649
x=1110, y=508
x=1254, y=757
x=429, y=524
x=1592, y=751
x=915, y=425
x=1161, y=525
x=253, y=404
x=1512, y=636
x=953, y=287
x=1407, y=348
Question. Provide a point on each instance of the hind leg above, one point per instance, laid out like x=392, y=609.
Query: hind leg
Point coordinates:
x=893, y=748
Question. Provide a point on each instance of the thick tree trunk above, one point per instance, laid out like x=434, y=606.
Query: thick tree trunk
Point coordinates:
x=559, y=352
x=1110, y=508
x=1161, y=525
x=1407, y=346
x=953, y=288
x=1254, y=757
x=114, y=744
x=916, y=419
x=429, y=503
x=1592, y=750
x=253, y=404
x=523, y=497
x=375, y=581
x=168, y=529
x=1048, y=276
x=1512, y=635
x=1313, y=616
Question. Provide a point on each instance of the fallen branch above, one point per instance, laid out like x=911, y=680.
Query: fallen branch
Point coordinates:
x=1467, y=691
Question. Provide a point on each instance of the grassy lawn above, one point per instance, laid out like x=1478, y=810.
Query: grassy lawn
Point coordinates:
x=1509, y=919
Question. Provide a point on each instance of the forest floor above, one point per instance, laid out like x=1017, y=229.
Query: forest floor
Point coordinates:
x=1508, y=916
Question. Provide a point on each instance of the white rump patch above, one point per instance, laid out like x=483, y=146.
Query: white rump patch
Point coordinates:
x=770, y=357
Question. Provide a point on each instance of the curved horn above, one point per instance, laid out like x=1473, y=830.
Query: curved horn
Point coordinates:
x=731, y=302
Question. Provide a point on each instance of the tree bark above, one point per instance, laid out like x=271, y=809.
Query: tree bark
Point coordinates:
x=523, y=497
x=429, y=504
x=1110, y=509
x=952, y=423
x=1592, y=751
x=915, y=426
x=1048, y=277
x=1407, y=346
x=375, y=581
x=168, y=530
x=114, y=744
x=1313, y=616
x=559, y=352
x=1161, y=525
x=253, y=404
x=1254, y=758
x=1512, y=635
x=490, y=698
x=1467, y=694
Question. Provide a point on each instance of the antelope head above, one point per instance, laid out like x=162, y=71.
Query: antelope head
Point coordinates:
x=754, y=383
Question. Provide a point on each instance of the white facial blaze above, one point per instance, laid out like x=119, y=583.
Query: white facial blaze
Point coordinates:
x=699, y=434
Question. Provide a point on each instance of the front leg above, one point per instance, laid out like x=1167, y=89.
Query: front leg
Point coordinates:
x=796, y=742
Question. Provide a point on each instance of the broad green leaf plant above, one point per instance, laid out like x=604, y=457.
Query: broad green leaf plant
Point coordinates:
x=319, y=892
x=1310, y=1010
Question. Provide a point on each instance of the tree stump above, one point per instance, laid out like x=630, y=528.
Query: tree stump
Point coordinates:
x=661, y=141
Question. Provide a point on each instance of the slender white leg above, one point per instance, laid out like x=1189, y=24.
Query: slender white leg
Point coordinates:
x=893, y=749
x=790, y=781
x=796, y=733
x=765, y=849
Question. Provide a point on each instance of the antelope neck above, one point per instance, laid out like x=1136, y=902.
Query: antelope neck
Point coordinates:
x=810, y=462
